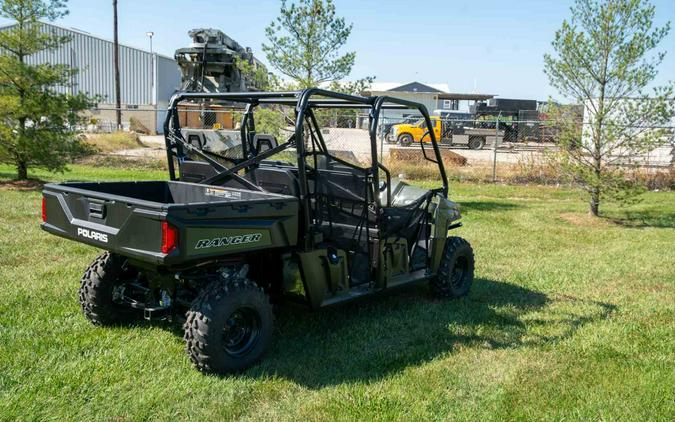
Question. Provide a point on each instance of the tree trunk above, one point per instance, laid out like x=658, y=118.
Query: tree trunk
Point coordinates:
x=22, y=170
x=595, y=203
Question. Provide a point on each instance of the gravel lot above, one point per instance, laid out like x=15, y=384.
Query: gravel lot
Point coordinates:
x=357, y=142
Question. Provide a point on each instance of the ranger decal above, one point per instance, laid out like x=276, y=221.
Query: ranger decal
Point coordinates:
x=228, y=240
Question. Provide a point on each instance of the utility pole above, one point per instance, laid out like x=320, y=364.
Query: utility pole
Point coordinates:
x=494, y=149
x=116, y=49
x=153, y=96
x=150, y=34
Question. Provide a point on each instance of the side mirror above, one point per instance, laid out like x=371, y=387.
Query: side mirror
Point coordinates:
x=264, y=143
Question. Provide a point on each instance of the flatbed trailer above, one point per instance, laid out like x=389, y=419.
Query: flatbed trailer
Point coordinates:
x=449, y=132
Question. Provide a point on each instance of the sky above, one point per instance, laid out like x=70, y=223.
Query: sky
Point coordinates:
x=487, y=46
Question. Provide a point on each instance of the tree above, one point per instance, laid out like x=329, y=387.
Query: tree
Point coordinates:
x=256, y=77
x=305, y=42
x=37, y=124
x=603, y=59
x=269, y=119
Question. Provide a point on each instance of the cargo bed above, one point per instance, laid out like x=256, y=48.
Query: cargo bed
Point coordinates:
x=141, y=219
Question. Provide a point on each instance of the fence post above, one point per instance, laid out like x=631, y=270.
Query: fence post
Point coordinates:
x=494, y=149
x=379, y=133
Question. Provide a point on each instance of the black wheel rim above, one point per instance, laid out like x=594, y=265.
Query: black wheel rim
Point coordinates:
x=241, y=332
x=459, y=274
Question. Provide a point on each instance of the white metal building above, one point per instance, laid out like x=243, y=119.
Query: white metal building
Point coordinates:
x=435, y=97
x=663, y=155
x=147, y=81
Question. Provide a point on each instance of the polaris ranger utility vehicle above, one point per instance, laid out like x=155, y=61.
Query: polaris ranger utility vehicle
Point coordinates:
x=223, y=235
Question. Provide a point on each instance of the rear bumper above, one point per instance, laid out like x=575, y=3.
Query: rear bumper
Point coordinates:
x=154, y=258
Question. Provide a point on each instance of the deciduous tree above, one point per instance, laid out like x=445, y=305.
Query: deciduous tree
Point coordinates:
x=604, y=59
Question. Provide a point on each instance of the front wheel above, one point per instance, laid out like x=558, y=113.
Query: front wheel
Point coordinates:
x=455, y=273
x=405, y=140
x=476, y=142
x=229, y=326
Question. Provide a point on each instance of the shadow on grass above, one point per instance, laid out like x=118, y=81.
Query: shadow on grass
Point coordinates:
x=8, y=181
x=378, y=337
x=642, y=219
x=468, y=206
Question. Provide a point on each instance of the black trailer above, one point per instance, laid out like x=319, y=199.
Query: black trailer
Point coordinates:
x=518, y=118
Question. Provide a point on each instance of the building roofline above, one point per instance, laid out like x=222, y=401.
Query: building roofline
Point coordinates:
x=439, y=95
x=89, y=34
x=426, y=88
x=458, y=96
x=395, y=87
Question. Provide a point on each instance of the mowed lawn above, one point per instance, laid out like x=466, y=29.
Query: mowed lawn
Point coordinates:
x=569, y=318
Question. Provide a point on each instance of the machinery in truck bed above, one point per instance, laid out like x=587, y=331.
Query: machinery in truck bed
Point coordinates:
x=286, y=220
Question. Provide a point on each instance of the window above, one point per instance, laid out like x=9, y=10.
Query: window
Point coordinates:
x=450, y=104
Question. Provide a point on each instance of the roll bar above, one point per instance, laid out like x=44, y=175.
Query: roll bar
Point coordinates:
x=303, y=101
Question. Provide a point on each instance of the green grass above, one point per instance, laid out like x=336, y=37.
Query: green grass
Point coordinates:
x=569, y=318
x=80, y=172
x=111, y=142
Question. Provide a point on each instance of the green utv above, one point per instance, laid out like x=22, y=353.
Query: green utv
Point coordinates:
x=228, y=232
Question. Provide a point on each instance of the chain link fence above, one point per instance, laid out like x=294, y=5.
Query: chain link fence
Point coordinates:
x=491, y=148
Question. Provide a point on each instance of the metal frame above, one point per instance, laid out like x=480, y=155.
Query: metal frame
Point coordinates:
x=304, y=101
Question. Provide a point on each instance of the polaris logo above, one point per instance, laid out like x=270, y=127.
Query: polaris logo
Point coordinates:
x=91, y=234
x=229, y=240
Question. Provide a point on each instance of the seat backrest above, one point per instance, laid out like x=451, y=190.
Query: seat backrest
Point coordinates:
x=341, y=184
x=275, y=180
x=195, y=171
x=325, y=163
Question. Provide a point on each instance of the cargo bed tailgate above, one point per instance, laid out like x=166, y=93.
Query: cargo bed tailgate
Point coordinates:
x=128, y=226
x=133, y=219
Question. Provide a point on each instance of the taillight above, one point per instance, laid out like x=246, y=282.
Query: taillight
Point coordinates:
x=44, y=210
x=169, y=237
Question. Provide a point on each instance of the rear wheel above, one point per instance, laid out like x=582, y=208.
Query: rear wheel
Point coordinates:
x=455, y=273
x=476, y=142
x=405, y=140
x=106, y=291
x=229, y=326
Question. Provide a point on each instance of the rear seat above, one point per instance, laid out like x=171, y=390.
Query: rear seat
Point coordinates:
x=275, y=180
x=271, y=179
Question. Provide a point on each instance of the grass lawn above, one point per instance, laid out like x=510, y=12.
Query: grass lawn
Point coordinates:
x=111, y=142
x=569, y=318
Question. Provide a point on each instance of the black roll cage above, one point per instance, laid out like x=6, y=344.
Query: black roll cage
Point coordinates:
x=305, y=102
